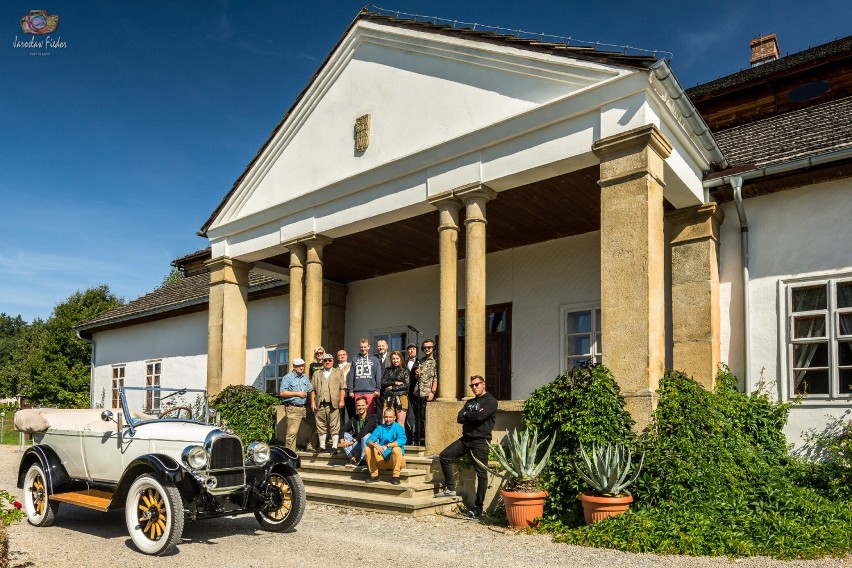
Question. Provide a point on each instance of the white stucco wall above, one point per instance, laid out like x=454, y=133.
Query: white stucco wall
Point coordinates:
x=537, y=279
x=180, y=343
x=797, y=233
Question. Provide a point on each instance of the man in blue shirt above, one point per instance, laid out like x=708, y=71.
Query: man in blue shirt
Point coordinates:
x=386, y=447
x=293, y=391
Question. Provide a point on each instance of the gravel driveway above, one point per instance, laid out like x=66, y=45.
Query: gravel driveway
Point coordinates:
x=326, y=537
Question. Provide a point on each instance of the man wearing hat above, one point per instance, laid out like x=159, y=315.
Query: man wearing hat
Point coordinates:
x=293, y=391
x=328, y=389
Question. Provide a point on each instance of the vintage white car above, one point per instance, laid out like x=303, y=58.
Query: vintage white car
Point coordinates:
x=162, y=469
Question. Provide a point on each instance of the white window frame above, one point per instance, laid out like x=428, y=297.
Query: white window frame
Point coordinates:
x=377, y=334
x=279, y=369
x=833, y=336
x=153, y=379
x=118, y=374
x=594, y=341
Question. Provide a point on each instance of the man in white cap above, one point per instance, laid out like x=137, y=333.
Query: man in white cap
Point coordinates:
x=293, y=391
x=328, y=388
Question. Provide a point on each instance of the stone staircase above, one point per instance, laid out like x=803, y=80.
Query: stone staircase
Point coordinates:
x=328, y=480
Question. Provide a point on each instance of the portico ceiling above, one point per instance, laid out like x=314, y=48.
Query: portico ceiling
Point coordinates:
x=549, y=209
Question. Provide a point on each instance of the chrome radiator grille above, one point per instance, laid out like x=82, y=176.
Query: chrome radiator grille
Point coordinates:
x=227, y=462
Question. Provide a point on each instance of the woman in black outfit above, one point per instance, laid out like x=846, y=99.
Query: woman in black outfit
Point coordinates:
x=395, y=387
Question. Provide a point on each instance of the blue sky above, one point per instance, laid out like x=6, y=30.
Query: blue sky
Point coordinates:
x=118, y=145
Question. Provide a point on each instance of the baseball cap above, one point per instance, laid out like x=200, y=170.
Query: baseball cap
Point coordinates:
x=411, y=345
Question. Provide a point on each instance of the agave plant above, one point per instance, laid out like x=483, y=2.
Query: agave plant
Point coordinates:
x=607, y=470
x=517, y=458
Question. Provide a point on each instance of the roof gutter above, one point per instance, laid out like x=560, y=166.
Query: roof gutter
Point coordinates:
x=800, y=164
x=737, y=185
x=667, y=79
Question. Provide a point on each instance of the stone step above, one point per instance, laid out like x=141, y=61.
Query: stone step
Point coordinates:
x=356, y=481
x=381, y=503
x=406, y=475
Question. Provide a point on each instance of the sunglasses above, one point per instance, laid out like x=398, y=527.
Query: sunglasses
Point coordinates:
x=425, y=347
x=474, y=385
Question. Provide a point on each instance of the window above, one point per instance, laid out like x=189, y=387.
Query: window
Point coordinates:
x=397, y=339
x=820, y=338
x=152, y=379
x=275, y=366
x=117, y=381
x=581, y=335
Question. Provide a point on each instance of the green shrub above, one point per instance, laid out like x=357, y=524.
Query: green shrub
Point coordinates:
x=249, y=412
x=717, y=481
x=826, y=464
x=584, y=405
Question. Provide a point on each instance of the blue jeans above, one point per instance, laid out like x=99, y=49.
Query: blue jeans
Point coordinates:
x=355, y=451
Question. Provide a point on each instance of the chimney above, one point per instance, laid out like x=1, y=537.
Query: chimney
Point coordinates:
x=764, y=49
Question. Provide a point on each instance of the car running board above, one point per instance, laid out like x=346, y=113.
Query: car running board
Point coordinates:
x=91, y=499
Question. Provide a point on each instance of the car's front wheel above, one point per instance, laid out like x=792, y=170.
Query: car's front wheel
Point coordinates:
x=40, y=510
x=154, y=514
x=286, y=494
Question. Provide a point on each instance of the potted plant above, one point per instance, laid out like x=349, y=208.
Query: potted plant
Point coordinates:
x=523, y=498
x=608, y=471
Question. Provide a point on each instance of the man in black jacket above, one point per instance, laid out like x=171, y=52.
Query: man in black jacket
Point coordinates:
x=477, y=420
x=353, y=433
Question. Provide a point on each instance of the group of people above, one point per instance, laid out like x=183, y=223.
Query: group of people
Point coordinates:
x=372, y=406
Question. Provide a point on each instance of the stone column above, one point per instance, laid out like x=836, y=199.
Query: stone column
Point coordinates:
x=474, y=199
x=297, y=294
x=695, y=291
x=227, y=323
x=632, y=266
x=448, y=238
x=313, y=292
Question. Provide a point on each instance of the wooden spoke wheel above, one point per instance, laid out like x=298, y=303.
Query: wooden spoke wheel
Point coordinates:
x=154, y=515
x=40, y=510
x=285, y=502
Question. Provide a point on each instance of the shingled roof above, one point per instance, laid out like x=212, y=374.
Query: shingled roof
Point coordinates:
x=791, y=63
x=186, y=295
x=818, y=129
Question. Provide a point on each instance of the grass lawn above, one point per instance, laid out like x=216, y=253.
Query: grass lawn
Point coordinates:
x=9, y=435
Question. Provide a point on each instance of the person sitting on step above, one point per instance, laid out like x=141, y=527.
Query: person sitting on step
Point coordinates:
x=354, y=432
x=386, y=447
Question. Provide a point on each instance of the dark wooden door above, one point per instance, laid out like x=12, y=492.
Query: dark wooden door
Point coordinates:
x=498, y=352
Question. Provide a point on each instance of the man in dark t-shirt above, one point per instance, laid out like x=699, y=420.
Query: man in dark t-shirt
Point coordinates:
x=477, y=419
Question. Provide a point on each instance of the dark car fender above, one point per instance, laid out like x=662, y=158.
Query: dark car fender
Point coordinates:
x=164, y=467
x=55, y=472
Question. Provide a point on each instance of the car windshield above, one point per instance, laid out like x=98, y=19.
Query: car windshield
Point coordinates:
x=159, y=403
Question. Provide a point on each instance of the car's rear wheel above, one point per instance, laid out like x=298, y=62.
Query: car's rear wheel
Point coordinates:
x=40, y=510
x=154, y=514
x=287, y=494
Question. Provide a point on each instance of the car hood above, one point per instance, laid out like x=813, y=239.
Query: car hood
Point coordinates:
x=170, y=431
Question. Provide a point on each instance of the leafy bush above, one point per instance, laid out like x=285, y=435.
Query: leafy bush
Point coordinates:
x=582, y=406
x=247, y=411
x=827, y=467
x=718, y=481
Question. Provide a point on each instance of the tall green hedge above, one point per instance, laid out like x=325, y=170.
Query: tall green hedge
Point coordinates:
x=584, y=405
x=249, y=412
x=718, y=480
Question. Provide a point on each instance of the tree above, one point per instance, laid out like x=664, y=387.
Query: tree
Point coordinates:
x=173, y=276
x=12, y=332
x=52, y=365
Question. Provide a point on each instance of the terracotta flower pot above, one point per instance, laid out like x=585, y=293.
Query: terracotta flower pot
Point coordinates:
x=596, y=508
x=523, y=508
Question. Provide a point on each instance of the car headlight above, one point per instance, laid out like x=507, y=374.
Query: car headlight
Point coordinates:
x=258, y=452
x=195, y=457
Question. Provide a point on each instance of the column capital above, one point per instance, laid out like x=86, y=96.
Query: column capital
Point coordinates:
x=228, y=270
x=474, y=192
x=448, y=207
x=695, y=223
x=632, y=155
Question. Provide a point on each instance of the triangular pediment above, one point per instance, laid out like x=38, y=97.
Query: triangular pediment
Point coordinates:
x=419, y=90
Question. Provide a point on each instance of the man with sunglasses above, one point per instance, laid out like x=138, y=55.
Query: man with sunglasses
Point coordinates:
x=477, y=419
x=424, y=388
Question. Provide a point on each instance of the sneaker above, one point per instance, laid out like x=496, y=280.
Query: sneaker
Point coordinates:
x=395, y=481
x=372, y=479
x=447, y=493
x=474, y=512
x=351, y=463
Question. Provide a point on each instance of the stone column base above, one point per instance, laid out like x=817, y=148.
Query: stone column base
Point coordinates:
x=641, y=406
